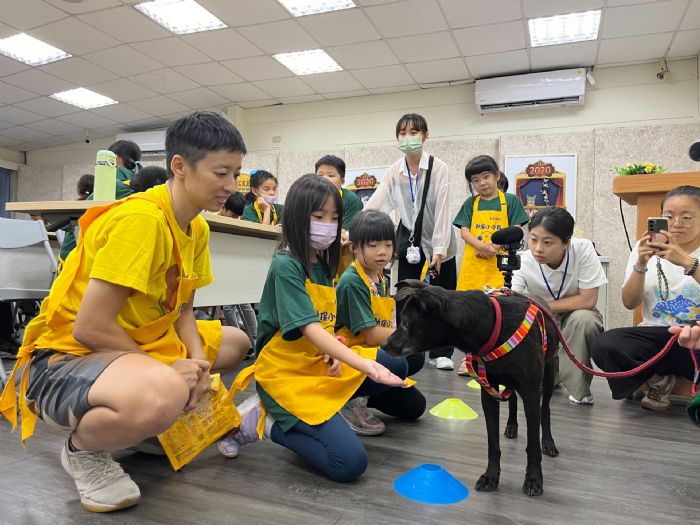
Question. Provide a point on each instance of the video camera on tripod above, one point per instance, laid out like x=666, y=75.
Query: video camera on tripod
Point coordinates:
x=511, y=239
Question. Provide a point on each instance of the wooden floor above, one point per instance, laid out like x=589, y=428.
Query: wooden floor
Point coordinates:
x=618, y=465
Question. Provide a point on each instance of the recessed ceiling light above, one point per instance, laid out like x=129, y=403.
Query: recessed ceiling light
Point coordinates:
x=312, y=7
x=564, y=29
x=29, y=50
x=83, y=98
x=180, y=16
x=308, y=62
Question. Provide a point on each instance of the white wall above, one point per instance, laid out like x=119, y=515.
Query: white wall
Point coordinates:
x=625, y=95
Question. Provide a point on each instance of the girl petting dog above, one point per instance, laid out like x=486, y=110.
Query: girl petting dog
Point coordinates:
x=366, y=318
x=304, y=374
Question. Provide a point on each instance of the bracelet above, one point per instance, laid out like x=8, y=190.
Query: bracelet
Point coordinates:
x=639, y=270
x=693, y=267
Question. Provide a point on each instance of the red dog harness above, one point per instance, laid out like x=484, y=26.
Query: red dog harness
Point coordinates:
x=488, y=353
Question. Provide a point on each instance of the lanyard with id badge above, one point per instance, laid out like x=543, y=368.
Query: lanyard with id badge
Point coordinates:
x=413, y=248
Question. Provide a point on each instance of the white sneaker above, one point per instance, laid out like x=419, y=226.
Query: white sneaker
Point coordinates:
x=585, y=400
x=442, y=363
x=102, y=484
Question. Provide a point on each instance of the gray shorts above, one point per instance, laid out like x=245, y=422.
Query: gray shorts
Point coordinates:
x=59, y=384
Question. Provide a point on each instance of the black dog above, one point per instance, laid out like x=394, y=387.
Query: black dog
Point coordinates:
x=431, y=317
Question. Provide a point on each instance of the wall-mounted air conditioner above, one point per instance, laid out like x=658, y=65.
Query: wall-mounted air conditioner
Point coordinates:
x=150, y=142
x=566, y=87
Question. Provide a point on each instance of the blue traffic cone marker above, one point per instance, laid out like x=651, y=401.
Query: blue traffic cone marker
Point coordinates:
x=453, y=408
x=430, y=483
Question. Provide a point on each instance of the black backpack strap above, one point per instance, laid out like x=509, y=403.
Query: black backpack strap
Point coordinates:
x=418, y=226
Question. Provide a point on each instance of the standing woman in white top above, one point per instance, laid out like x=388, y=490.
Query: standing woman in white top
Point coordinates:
x=567, y=274
x=403, y=188
x=663, y=274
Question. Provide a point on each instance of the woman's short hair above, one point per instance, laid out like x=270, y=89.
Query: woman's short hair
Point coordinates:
x=412, y=121
x=686, y=191
x=555, y=220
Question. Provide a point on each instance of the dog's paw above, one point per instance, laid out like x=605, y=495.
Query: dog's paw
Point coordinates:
x=533, y=487
x=511, y=431
x=487, y=483
x=549, y=448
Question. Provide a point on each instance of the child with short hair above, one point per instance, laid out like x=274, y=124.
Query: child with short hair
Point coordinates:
x=262, y=204
x=234, y=206
x=85, y=185
x=148, y=177
x=115, y=354
x=366, y=318
x=303, y=373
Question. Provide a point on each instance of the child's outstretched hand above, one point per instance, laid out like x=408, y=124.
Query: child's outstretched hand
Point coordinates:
x=380, y=374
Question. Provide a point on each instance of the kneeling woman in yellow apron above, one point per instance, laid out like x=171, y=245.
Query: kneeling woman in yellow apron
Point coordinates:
x=304, y=374
x=366, y=318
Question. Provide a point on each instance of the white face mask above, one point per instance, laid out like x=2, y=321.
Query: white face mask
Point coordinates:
x=322, y=234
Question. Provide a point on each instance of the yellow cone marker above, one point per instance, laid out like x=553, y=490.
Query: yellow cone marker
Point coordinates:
x=473, y=384
x=453, y=408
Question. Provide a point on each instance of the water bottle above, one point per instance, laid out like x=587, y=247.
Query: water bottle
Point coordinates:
x=105, y=176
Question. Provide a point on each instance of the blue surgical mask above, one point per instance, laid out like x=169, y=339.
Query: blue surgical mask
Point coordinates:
x=270, y=199
x=322, y=234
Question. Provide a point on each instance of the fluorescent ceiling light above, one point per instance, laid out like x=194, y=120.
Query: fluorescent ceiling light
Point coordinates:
x=29, y=50
x=83, y=98
x=180, y=16
x=312, y=7
x=564, y=29
x=308, y=62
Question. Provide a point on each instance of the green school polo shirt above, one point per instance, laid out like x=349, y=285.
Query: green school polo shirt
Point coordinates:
x=249, y=213
x=354, y=302
x=352, y=205
x=286, y=306
x=516, y=213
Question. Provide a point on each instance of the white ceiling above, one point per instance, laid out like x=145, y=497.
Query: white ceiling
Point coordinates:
x=383, y=46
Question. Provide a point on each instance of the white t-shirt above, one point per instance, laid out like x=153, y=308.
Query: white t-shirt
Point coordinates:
x=397, y=192
x=583, y=272
x=683, y=304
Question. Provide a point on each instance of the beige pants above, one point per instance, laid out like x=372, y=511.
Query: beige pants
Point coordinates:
x=580, y=328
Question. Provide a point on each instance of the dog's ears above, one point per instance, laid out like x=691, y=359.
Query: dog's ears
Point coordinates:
x=424, y=300
x=406, y=288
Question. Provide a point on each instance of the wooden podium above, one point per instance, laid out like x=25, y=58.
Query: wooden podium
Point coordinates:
x=646, y=192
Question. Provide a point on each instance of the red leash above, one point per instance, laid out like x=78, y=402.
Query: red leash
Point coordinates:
x=611, y=375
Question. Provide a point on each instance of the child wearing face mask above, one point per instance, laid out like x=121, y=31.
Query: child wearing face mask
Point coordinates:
x=303, y=373
x=261, y=200
x=418, y=186
x=366, y=318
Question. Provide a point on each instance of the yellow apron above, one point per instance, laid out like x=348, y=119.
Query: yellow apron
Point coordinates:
x=382, y=309
x=158, y=338
x=476, y=272
x=294, y=374
x=273, y=211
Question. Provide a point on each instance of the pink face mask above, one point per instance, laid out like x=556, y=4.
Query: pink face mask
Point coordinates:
x=322, y=234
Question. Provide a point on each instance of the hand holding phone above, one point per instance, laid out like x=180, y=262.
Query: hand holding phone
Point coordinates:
x=654, y=226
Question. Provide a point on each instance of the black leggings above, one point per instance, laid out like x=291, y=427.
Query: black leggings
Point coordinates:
x=447, y=280
x=623, y=349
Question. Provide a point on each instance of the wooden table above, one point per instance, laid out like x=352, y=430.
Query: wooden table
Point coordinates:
x=241, y=251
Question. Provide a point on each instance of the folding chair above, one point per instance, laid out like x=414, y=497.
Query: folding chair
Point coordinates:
x=25, y=269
